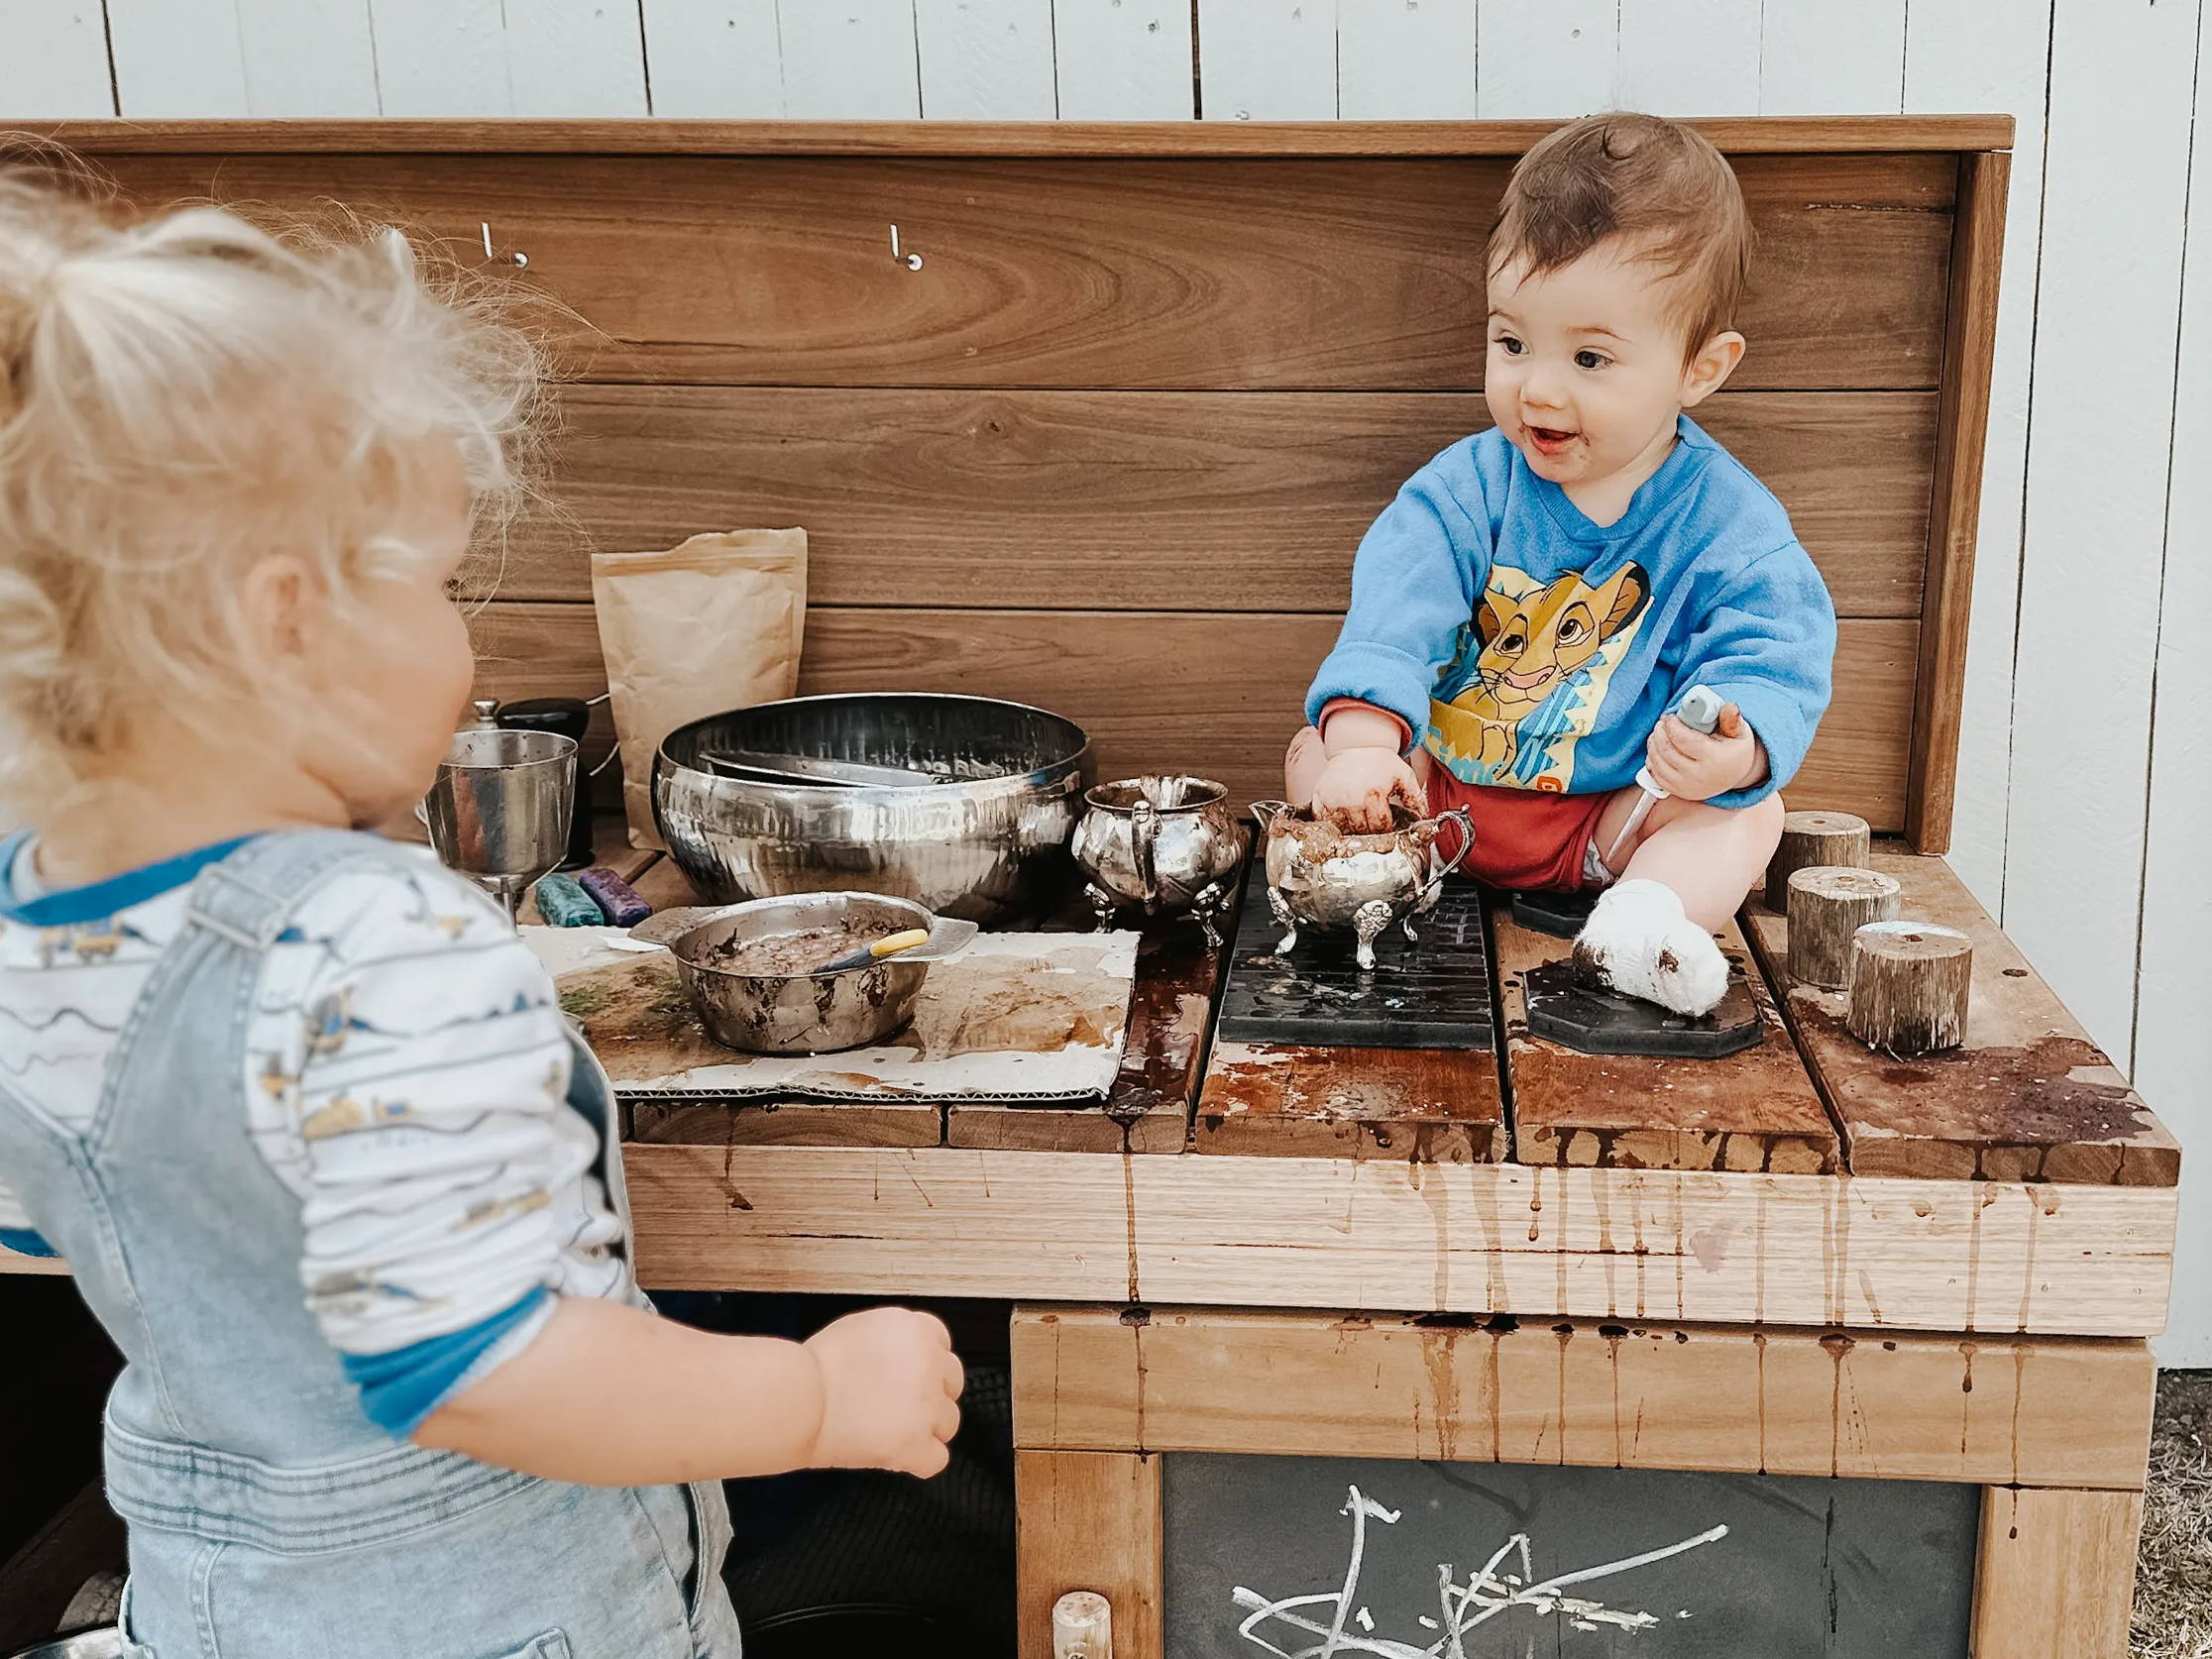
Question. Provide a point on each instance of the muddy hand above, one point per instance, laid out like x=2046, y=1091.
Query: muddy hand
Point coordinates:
x=1358, y=788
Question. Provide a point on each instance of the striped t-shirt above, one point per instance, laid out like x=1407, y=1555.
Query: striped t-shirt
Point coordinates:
x=406, y=1077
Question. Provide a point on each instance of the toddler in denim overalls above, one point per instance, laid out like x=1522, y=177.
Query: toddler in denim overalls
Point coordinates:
x=298, y=1106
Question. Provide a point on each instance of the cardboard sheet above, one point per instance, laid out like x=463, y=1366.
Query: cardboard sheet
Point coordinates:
x=1040, y=1017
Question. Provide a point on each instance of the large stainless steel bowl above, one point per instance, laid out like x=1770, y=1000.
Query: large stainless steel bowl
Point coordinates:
x=987, y=845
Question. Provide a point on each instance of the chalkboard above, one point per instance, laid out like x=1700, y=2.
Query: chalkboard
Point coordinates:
x=1320, y=1557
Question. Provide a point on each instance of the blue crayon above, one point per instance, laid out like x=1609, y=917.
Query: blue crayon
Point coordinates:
x=563, y=904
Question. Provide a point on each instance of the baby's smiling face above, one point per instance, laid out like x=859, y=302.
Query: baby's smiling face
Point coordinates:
x=1586, y=373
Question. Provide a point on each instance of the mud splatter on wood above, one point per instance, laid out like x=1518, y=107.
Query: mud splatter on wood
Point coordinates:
x=2028, y=1097
x=1754, y=1111
x=1429, y=1107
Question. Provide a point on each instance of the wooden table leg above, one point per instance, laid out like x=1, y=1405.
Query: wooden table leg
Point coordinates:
x=2056, y=1575
x=1089, y=1520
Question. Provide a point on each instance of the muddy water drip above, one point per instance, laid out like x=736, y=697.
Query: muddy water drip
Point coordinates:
x=2022, y=1095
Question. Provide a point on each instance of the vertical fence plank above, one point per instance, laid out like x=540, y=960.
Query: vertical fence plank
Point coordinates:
x=1123, y=60
x=1267, y=60
x=986, y=60
x=2173, y=1041
x=1405, y=60
x=580, y=57
x=849, y=60
x=1977, y=56
x=55, y=64
x=177, y=60
x=1689, y=56
x=2097, y=466
x=442, y=57
x=1547, y=57
x=713, y=58
x=1817, y=57
x=308, y=58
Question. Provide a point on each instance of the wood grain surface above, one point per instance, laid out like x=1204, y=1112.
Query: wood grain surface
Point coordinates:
x=2028, y=1098
x=1390, y=1232
x=2056, y=1575
x=1969, y=353
x=1756, y=1110
x=1088, y=1520
x=1312, y=274
x=1164, y=501
x=1423, y=1105
x=1734, y=135
x=2061, y=1411
x=1201, y=692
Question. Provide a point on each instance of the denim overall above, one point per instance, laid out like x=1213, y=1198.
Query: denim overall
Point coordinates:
x=268, y=1517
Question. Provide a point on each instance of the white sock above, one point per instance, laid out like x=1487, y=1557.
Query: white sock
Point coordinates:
x=1639, y=942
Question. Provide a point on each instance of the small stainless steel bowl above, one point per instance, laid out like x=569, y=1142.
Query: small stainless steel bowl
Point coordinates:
x=989, y=844
x=800, y=1013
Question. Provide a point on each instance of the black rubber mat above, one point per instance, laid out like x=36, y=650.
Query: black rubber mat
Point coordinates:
x=1433, y=993
x=1596, y=1021
x=1559, y=914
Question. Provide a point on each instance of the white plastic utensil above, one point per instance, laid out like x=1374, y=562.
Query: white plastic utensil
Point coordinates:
x=1699, y=710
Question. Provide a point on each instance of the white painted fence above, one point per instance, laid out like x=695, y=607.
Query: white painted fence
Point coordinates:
x=2085, y=811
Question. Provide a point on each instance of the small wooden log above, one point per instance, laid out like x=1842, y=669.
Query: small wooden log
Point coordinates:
x=1083, y=1626
x=1828, y=906
x=1910, y=982
x=1833, y=840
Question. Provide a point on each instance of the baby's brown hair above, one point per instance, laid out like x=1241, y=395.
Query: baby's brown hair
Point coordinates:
x=1655, y=181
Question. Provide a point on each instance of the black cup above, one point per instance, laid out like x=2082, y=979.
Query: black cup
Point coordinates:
x=569, y=715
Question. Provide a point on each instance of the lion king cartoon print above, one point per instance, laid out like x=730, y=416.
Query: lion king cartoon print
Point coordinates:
x=1529, y=672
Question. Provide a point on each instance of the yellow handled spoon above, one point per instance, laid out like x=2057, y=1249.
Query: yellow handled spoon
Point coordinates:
x=875, y=952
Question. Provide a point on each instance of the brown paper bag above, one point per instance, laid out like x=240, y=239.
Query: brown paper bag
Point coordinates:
x=713, y=624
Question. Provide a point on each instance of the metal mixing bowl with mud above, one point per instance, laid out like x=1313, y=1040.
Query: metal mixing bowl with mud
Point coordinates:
x=755, y=971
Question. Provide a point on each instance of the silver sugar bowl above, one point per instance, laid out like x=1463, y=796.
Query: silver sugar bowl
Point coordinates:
x=1170, y=846
x=1320, y=877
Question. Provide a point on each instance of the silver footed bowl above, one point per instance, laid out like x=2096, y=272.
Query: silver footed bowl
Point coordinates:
x=1167, y=844
x=985, y=842
x=1321, y=878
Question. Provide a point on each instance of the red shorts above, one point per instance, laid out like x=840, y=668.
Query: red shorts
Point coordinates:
x=1525, y=839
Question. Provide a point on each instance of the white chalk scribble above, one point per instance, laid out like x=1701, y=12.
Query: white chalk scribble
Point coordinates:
x=1487, y=1593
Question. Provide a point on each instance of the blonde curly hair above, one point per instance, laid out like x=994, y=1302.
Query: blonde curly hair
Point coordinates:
x=186, y=393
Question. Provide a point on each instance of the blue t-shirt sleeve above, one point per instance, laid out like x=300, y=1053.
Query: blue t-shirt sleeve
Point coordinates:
x=23, y=1242
x=16, y=1232
x=1413, y=587
x=401, y=1389
x=1767, y=643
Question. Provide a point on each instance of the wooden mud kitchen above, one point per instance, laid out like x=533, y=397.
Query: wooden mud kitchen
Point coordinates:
x=1807, y=1327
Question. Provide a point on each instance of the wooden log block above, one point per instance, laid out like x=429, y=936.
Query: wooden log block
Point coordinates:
x=1910, y=985
x=1828, y=906
x=1838, y=840
x=2026, y=1098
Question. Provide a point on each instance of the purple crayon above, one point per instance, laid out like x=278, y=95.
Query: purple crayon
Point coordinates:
x=618, y=899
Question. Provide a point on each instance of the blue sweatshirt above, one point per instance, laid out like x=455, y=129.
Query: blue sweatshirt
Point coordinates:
x=1527, y=647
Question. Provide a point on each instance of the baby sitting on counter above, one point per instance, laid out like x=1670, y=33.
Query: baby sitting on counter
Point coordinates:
x=1530, y=609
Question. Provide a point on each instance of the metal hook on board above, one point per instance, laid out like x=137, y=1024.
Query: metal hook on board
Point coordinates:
x=913, y=261
x=485, y=227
